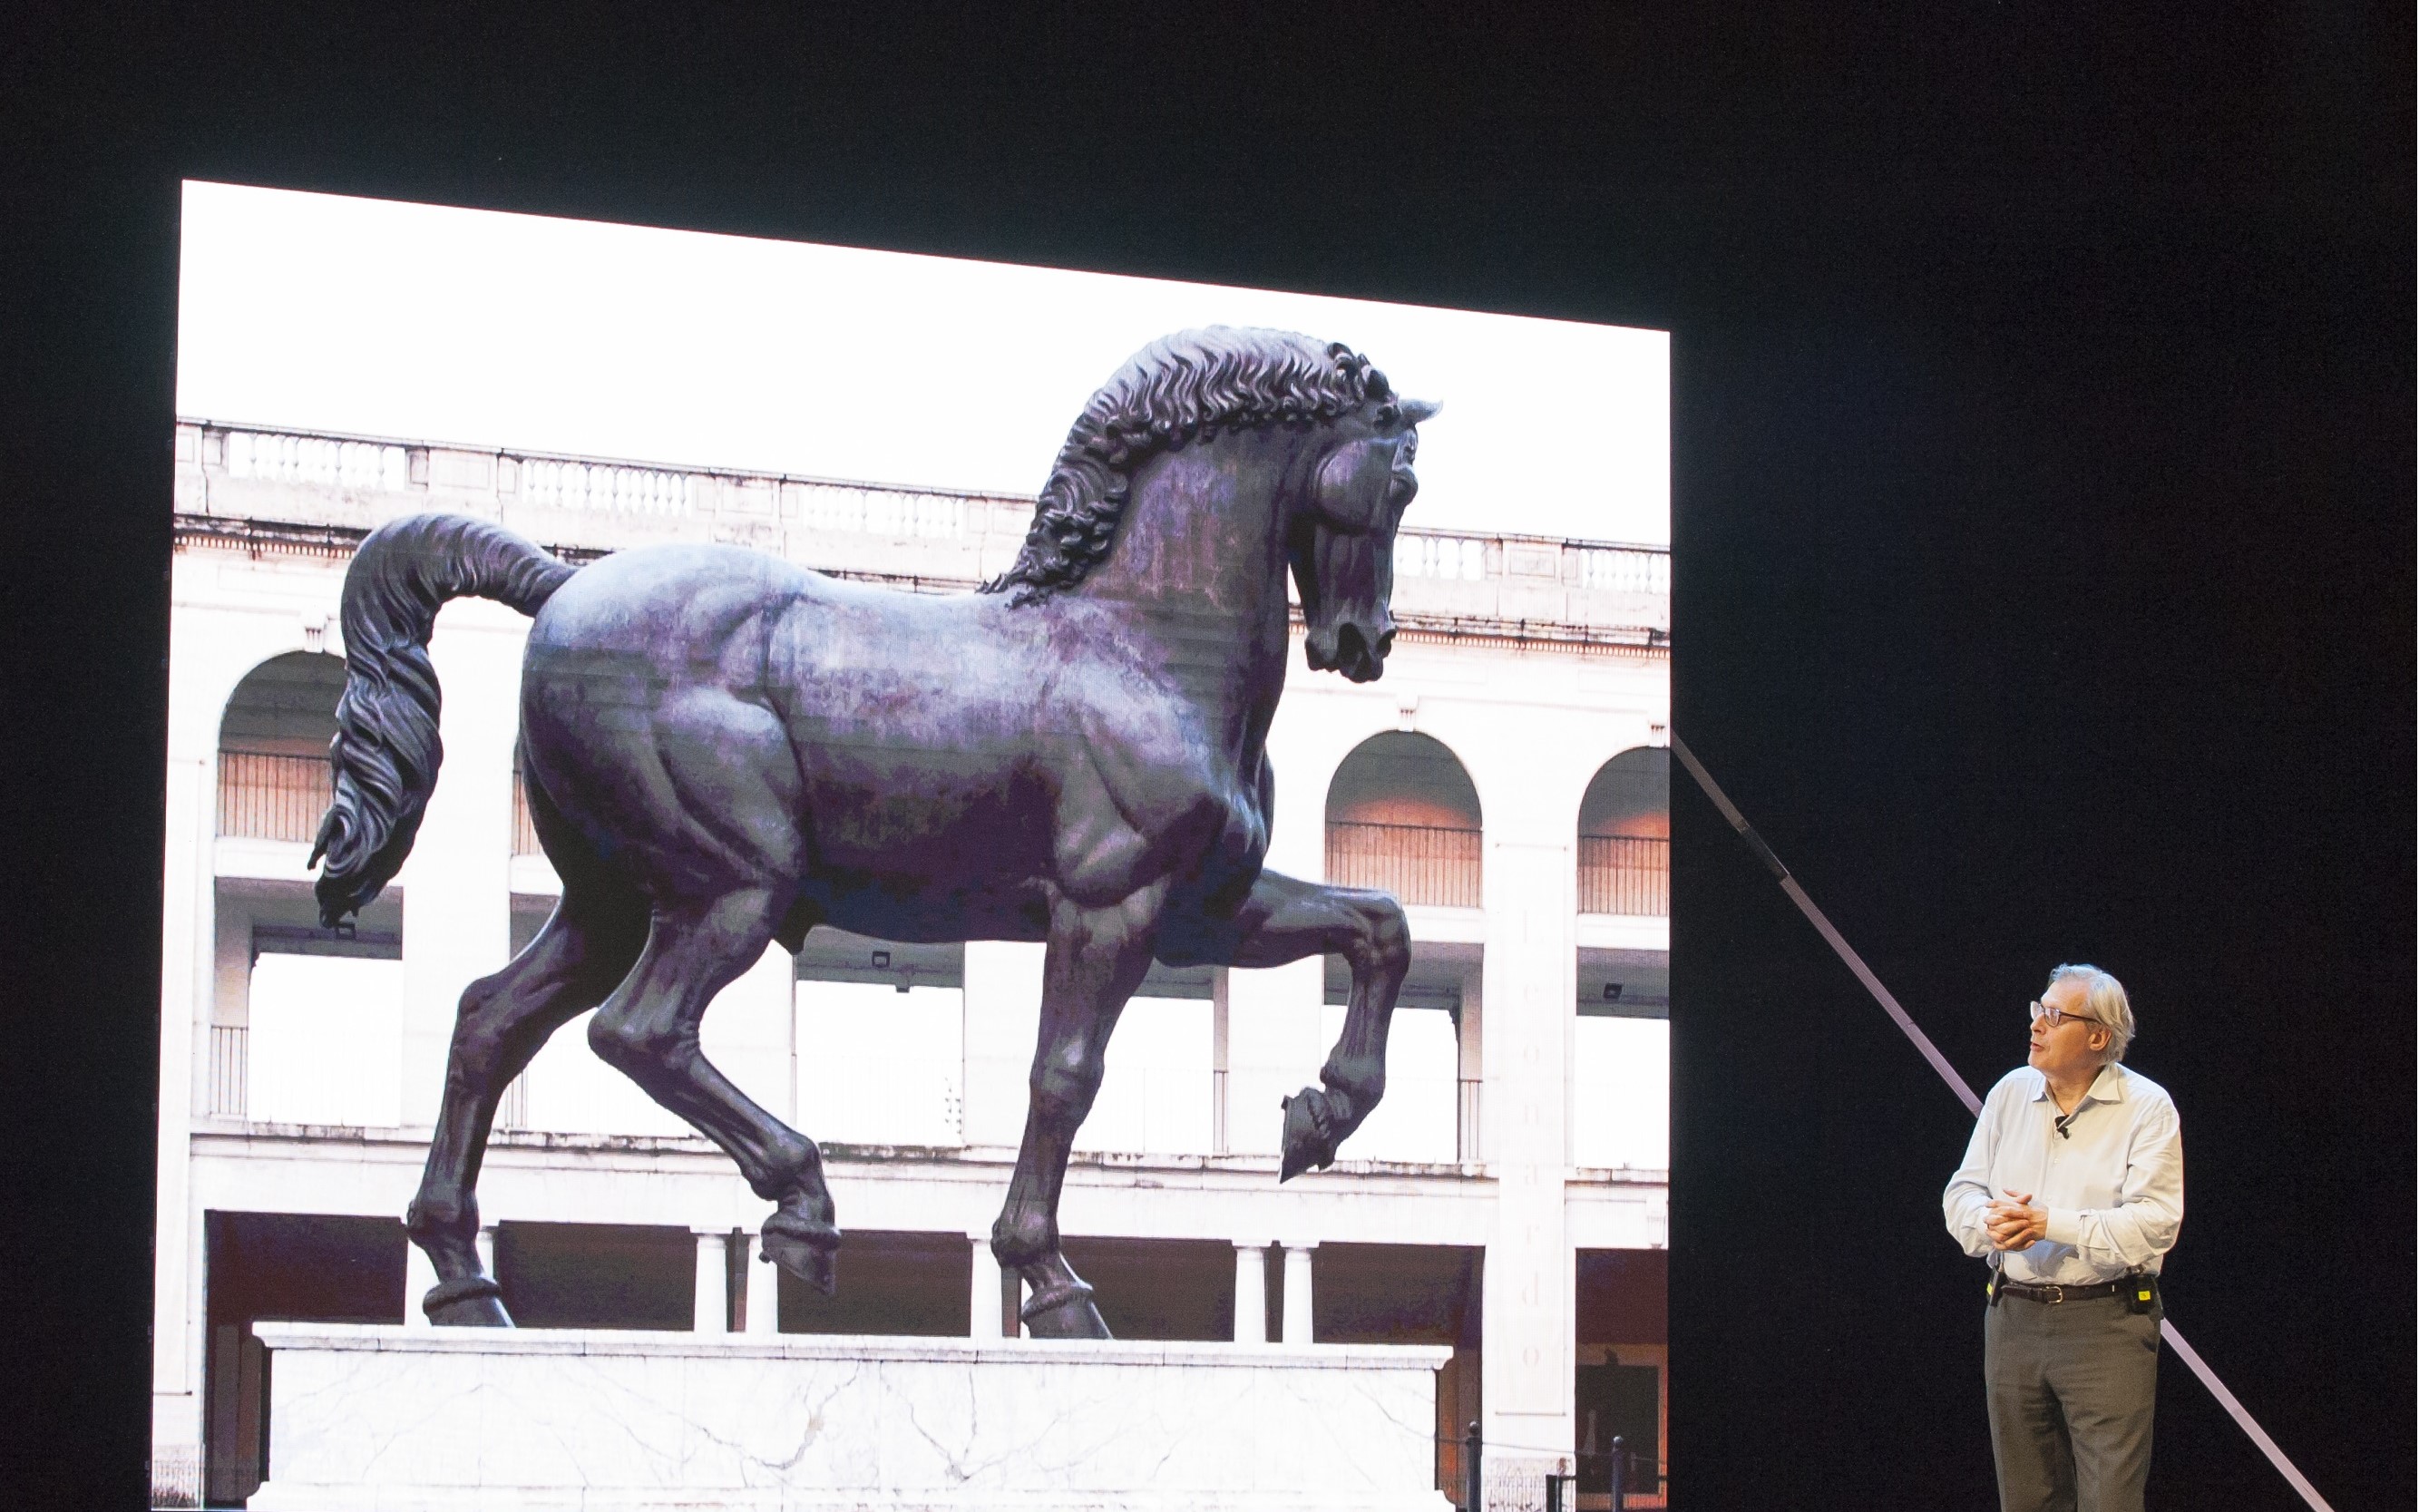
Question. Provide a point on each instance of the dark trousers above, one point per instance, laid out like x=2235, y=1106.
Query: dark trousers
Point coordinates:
x=2072, y=1386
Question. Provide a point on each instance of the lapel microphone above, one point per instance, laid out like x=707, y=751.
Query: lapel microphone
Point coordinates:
x=2064, y=1121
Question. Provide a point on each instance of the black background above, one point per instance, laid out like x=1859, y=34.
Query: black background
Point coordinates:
x=2043, y=519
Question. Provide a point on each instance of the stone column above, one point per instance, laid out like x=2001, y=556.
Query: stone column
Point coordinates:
x=487, y=1243
x=763, y=1283
x=1529, y=1006
x=1251, y=1293
x=1297, y=1291
x=187, y=948
x=713, y=1315
x=419, y=1275
x=982, y=1298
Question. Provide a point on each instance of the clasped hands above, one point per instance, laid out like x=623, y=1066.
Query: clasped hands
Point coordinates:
x=2015, y=1224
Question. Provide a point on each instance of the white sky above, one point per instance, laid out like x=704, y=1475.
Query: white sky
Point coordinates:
x=373, y=316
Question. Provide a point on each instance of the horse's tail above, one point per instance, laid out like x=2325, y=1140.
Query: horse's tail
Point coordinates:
x=386, y=750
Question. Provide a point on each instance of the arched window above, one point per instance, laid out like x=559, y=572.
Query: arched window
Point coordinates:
x=1626, y=835
x=273, y=776
x=1402, y=816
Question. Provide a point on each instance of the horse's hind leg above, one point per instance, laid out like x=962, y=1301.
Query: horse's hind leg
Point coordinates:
x=648, y=1030
x=584, y=949
x=1095, y=959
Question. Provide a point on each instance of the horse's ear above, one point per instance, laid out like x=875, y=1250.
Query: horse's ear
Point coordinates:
x=1415, y=410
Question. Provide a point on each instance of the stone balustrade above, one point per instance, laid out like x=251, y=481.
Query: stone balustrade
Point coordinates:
x=1447, y=583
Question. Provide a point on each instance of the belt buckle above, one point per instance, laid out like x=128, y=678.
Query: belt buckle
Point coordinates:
x=2052, y=1293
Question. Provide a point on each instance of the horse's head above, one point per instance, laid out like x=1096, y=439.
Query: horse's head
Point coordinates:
x=1332, y=445
x=1342, y=543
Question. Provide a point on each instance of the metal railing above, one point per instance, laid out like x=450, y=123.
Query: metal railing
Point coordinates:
x=1618, y=1479
x=1417, y=863
x=271, y=795
x=229, y=1071
x=176, y=1475
x=1625, y=874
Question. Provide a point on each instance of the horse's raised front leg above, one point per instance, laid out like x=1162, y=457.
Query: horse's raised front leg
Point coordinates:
x=648, y=1030
x=1095, y=959
x=584, y=949
x=1285, y=919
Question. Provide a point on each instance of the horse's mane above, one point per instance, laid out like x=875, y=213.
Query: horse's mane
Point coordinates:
x=1178, y=390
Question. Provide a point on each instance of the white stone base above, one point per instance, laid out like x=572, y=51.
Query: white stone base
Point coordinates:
x=381, y=1419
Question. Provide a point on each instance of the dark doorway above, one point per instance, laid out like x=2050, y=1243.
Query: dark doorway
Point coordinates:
x=597, y=1275
x=1618, y=1392
x=1624, y=1402
x=895, y=1282
x=1160, y=1289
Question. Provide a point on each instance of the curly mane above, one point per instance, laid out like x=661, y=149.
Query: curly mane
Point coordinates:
x=1178, y=390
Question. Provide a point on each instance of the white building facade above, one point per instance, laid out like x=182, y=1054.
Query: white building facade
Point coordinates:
x=1506, y=779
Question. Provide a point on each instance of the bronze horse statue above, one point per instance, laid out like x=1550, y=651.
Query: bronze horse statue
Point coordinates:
x=722, y=750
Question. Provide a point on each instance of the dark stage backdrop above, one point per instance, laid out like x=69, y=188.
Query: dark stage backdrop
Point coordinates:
x=2043, y=499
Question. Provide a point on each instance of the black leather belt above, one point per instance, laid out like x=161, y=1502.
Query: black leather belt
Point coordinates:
x=2054, y=1293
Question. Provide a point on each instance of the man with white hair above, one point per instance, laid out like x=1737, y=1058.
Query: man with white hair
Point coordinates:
x=2072, y=1188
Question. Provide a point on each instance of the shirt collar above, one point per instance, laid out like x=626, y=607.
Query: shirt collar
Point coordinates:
x=2107, y=1087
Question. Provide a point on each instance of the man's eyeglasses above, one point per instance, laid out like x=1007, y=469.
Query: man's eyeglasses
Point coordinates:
x=2055, y=1016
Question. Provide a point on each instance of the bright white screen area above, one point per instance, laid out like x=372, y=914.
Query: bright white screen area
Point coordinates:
x=374, y=317
x=1621, y=1108
x=434, y=324
x=326, y=1045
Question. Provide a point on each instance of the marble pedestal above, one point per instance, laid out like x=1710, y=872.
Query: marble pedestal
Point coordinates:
x=381, y=1419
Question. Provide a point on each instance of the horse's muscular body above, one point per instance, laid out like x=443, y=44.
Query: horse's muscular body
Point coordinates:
x=702, y=715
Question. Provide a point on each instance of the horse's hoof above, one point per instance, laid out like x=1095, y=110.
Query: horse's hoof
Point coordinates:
x=472, y=1301
x=811, y=1256
x=1064, y=1312
x=1308, y=1146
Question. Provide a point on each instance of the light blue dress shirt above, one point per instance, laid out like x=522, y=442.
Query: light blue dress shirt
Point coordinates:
x=2112, y=1184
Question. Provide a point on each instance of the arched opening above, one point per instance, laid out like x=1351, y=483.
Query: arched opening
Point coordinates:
x=1402, y=817
x=1626, y=835
x=273, y=776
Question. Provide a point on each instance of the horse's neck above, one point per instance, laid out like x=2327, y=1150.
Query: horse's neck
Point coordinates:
x=1199, y=560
